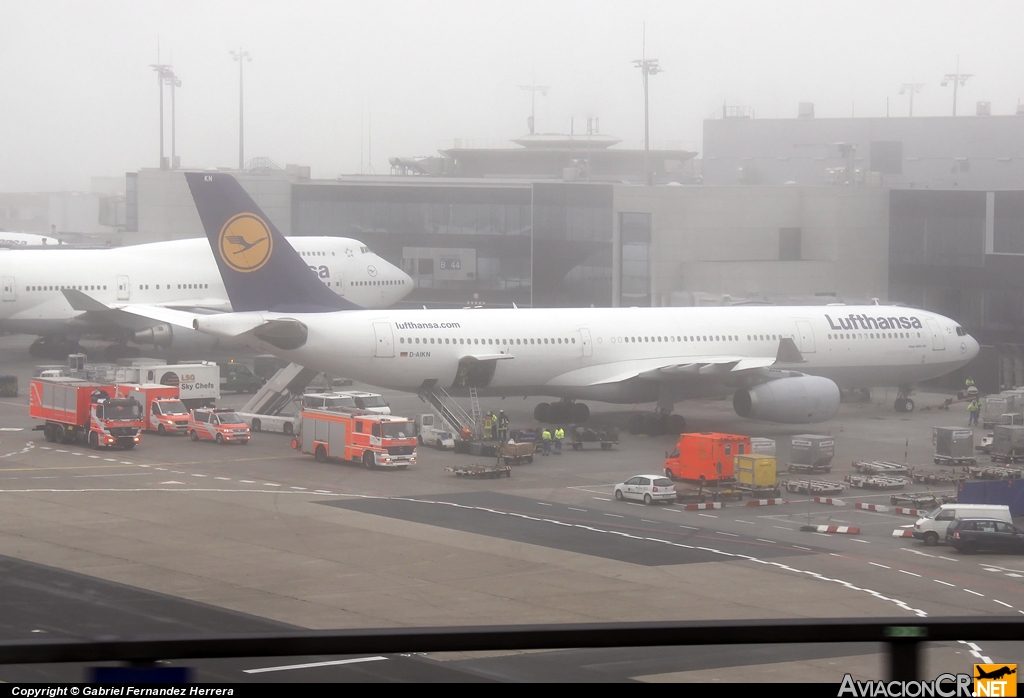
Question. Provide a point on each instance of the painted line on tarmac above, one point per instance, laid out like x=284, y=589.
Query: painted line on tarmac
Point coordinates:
x=313, y=665
x=976, y=652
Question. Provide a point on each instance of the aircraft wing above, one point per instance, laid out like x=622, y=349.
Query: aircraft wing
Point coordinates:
x=722, y=368
x=126, y=315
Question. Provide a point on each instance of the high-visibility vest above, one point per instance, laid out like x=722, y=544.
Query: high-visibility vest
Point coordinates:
x=559, y=433
x=545, y=435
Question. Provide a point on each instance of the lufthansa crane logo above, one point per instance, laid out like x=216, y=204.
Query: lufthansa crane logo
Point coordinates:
x=245, y=242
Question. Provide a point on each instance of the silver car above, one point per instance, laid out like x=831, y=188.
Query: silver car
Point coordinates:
x=648, y=488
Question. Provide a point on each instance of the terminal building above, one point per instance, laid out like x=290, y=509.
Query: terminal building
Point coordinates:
x=927, y=211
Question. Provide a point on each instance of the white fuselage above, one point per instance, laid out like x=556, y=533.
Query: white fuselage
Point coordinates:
x=599, y=353
x=175, y=273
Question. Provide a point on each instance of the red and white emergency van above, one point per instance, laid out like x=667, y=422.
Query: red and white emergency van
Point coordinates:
x=374, y=440
x=220, y=425
x=162, y=410
x=84, y=411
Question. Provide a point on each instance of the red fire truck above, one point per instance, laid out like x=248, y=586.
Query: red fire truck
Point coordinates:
x=83, y=411
x=162, y=410
x=371, y=439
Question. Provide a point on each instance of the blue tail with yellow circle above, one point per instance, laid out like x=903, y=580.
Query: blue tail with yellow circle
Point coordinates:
x=261, y=271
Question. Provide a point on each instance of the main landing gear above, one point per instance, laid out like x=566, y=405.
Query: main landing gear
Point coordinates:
x=561, y=412
x=656, y=423
x=903, y=402
x=54, y=348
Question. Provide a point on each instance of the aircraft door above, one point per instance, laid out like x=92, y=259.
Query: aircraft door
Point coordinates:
x=385, y=346
x=9, y=289
x=339, y=278
x=124, y=288
x=588, y=343
x=938, y=343
x=806, y=334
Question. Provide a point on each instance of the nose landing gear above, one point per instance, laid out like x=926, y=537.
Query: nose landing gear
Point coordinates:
x=903, y=402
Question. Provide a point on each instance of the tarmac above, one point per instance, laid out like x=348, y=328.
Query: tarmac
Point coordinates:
x=177, y=537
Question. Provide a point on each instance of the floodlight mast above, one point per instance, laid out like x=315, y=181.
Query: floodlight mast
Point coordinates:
x=163, y=73
x=534, y=89
x=648, y=67
x=241, y=56
x=912, y=88
x=958, y=79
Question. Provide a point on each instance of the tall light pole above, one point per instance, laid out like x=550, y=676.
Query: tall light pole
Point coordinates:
x=534, y=89
x=958, y=79
x=913, y=88
x=173, y=81
x=163, y=70
x=647, y=66
x=241, y=56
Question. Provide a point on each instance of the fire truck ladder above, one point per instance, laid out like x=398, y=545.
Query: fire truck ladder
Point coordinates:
x=451, y=412
x=283, y=387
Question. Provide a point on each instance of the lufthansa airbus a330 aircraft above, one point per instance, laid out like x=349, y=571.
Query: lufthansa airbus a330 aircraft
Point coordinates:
x=781, y=364
x=176, y=274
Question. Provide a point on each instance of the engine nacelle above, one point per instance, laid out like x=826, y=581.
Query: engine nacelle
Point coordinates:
x=177, y=339
x=797, y=400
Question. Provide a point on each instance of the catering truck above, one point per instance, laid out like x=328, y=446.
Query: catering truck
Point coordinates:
x=198, y=383
x=84, y=411
x=375, y=440
x=162, y=410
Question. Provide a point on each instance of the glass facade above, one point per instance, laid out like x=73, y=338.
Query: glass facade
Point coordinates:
x=938, y=260
x=635, y=259
x=545, y=244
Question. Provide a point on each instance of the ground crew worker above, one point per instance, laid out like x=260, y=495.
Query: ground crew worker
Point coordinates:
x=559, y=435
x=973, y=410
x=545, y=442
x=969, y=382
x=488, y=426
x=502, y=426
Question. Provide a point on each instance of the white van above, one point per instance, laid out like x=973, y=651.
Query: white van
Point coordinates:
x=373, y=403
x=932, y=528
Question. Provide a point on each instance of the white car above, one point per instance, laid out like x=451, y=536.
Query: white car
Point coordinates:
x=649, y=488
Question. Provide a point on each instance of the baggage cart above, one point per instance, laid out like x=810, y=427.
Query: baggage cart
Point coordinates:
x=517, y=453
x=878, y=467
x=756, y=475
x=814, y=486
x=994, y=472
x=8, y=386
x=921, y=500
x=806, y=468
x=877, y=482
x=953, y=446
x=1007, y=443
x=605, y=437
x=481, y=471
x=932, y=477
x=812, y=450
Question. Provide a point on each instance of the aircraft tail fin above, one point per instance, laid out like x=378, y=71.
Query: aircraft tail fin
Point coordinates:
x=261, y=271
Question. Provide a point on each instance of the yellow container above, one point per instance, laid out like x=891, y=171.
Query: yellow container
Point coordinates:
x=754, y=470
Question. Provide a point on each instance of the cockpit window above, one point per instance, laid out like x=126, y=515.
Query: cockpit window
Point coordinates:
x=960, y=332
x=364, y=250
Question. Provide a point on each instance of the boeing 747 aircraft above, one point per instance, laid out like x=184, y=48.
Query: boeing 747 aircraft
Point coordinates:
x=780, y=364
x=176, y=274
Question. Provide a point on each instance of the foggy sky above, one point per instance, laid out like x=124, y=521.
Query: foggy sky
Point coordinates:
x=78, y=98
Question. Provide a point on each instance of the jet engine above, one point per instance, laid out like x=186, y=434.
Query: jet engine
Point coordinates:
x=175, y=338
x=795, y=400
